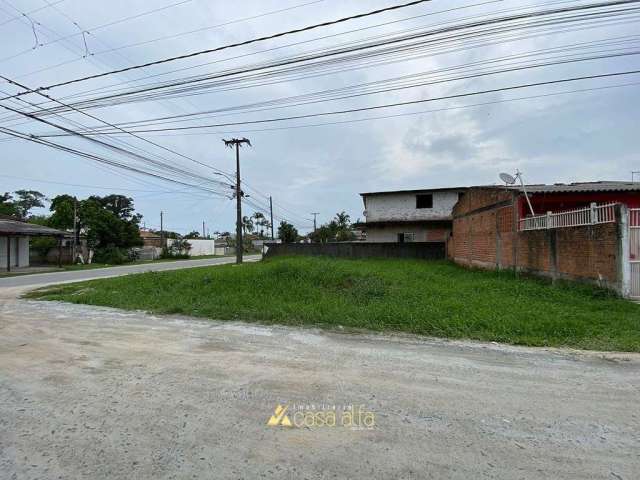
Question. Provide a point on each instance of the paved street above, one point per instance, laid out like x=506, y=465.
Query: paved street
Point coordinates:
x=97, y=393
x=78, y=275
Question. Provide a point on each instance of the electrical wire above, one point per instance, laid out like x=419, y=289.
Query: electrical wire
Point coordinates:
x=243, y=43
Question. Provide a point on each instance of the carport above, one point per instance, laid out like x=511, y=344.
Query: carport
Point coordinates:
x=14, y=241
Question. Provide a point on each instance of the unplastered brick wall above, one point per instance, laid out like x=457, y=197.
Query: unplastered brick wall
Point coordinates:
x=484, y=235
x=480, y=216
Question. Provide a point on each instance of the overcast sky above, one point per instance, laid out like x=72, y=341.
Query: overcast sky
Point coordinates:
x=586, y=135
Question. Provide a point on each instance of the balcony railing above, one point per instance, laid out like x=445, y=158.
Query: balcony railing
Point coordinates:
x=592, y=215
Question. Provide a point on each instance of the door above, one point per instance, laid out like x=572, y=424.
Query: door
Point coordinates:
x=634, y=251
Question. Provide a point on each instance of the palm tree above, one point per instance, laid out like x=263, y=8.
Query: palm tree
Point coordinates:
x=343, y=220
x=247, y=224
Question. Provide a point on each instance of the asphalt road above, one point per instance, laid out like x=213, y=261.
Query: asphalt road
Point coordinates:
x=97, y=393
x=79, y=275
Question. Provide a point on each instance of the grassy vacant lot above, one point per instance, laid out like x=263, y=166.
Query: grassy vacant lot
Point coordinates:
x=416, y=296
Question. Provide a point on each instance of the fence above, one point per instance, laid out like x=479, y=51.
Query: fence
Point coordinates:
x=424, y=250
x=634, y=252
x=592, y=215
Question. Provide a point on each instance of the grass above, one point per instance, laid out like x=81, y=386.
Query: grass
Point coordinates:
x=431, y=298
x=92, y=266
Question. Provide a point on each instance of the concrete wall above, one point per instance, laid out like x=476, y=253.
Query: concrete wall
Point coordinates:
x=198, y=247
x=202, y=247
x=423, y=232
x=402, y=206
x=485, y=235
x=424, y=250
x=19, y=252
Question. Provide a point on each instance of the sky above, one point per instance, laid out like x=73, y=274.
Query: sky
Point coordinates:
x=576, y=131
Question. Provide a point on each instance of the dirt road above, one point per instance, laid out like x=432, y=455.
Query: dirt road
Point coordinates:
x=97, y=393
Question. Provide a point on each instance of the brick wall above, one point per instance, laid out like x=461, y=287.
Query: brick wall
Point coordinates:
x=484, y=236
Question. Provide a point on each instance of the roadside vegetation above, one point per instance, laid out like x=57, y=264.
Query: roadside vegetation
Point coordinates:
x=431, y=298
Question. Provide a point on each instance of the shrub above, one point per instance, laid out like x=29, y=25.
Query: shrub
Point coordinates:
x=111, y=255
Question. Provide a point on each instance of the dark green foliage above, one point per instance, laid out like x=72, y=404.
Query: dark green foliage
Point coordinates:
x=21, y=203
x=287, y=232
x=416, y=296
x=25, y=200
x=108, y=221
x=6, y=205
x=111, y=255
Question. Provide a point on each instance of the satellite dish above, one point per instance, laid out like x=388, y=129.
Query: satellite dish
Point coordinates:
x=508, y=179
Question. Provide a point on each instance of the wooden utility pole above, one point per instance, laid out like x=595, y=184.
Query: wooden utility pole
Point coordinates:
x=271, y=213
x=75, y=230
x=161, y=229
x=314, y=219
x=203, y=234
x=237, y=143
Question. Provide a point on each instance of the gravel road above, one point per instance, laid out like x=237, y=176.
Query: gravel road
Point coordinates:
x=97, y=393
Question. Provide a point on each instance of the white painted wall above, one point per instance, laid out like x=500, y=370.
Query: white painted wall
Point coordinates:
x=402, y=206
x=19, y=252
x=199, y=247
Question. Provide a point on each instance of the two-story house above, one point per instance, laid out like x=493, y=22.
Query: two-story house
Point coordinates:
x=410, y=215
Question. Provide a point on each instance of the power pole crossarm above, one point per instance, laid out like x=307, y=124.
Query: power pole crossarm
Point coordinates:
x=237, y=143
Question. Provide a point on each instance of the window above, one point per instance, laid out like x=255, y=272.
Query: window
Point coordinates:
x=406, y=237
x=424, y=201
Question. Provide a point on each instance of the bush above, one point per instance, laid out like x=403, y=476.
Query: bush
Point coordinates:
x=111, y=255
x=179, y=249
x=169, y=253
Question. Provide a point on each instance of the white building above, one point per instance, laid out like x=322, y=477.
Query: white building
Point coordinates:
x=410, y=215
x=14, y=241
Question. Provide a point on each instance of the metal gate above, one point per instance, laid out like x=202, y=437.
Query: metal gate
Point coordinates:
x=634, y=251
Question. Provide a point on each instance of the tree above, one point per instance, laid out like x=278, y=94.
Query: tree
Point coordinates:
x=62, y=212
x=338, y=229
x=287, y=232
x=261, y=221
x=120, y=205
x=26, y=200
x=104, y=223
x=192, y=234
x=247, y=224
x=322, y=234
x=6, y=204
x=342, y=219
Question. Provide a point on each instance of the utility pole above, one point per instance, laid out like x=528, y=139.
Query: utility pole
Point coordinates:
x=314, y=219
x=203, y=234
x=161, y=229
x=237, y=142
x=271, y=212
x=75, y=230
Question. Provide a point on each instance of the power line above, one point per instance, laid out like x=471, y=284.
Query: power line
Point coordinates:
x=390, y=105
x=35, y=10
x=392, y=84
x=103, y=121
x=274, y=48
x=329, y=53
x=238, y=44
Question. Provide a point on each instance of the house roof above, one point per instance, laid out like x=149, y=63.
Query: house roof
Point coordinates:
x=601, y=186
x=16, y=227
x=422, y=190
x=148, y=234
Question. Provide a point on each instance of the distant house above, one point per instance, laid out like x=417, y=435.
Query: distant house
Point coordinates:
x=409, y=215
x=14, y=241
x=151, y=239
